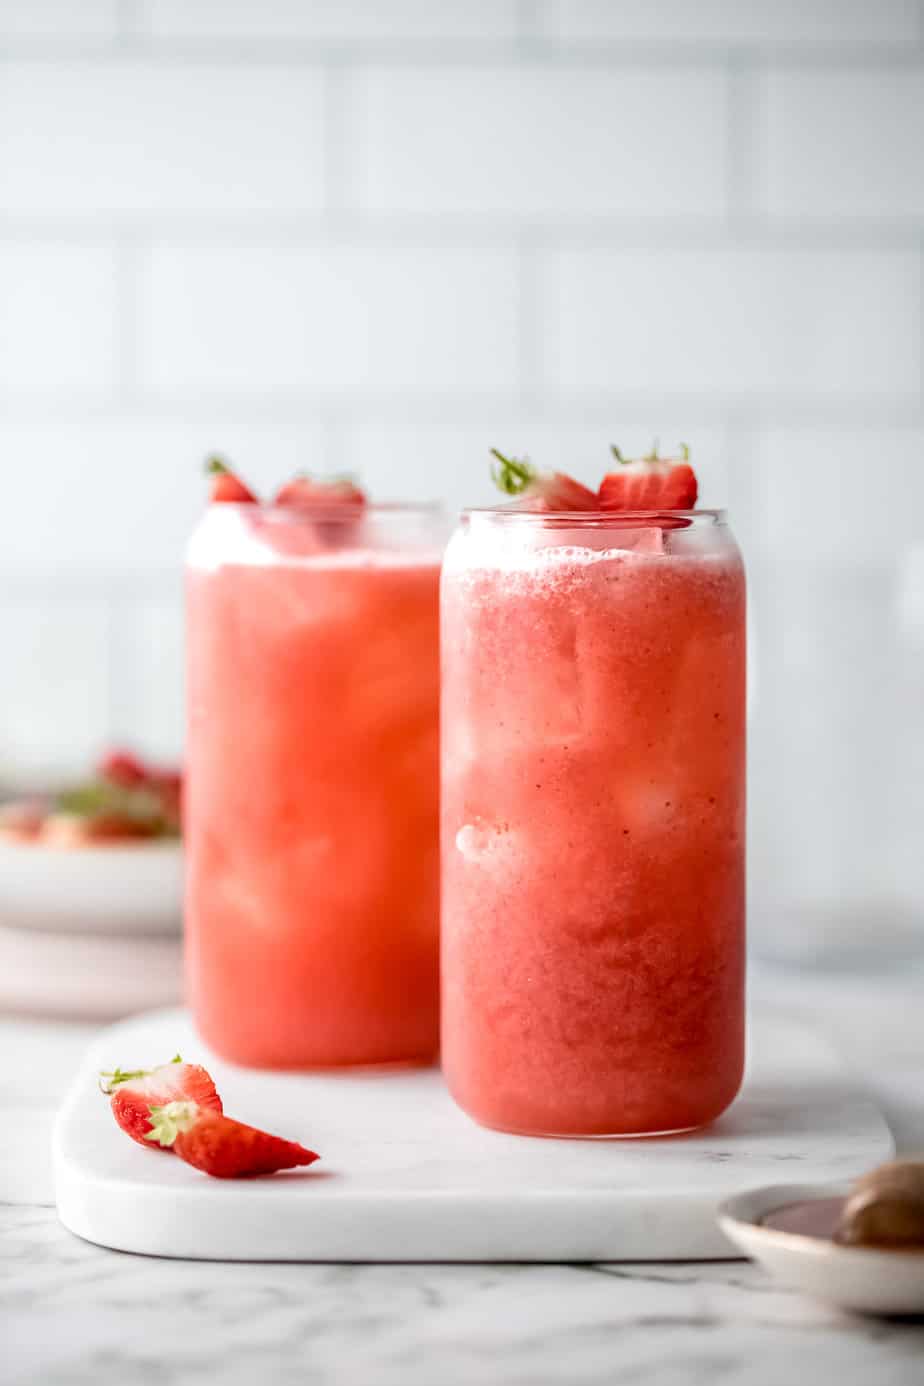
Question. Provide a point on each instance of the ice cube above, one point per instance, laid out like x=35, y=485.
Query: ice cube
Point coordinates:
x=483, y=843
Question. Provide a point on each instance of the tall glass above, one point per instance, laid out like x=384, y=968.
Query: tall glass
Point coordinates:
x=312, y=798
x=593, y=821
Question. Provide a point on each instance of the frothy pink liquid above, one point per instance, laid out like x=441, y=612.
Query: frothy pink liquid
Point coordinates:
x=593, y=841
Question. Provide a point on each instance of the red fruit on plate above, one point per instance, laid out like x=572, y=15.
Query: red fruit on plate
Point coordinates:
x=135, y=1092
x=540, y=491
x=219, y=1146
x=226, y=486
x=305, y=493
x=649, y=483
x=122, y=768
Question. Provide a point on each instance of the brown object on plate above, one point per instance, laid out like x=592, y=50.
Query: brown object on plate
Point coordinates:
x=885, y=1208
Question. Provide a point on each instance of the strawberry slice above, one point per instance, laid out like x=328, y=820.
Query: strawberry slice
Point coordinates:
x=135, y=1092
x=650, y=483
x=540, y=491
x=220, y=1146
x=226, y=486
x=305, y=493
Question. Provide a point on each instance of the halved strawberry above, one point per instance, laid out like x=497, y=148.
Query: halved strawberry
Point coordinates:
x=649, y=483
x=135, y=1092
x=304, y=492
x=541, y=491
x=220, y=1146
x=226, y=486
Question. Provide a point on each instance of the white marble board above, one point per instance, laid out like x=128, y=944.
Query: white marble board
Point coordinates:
x=406, y=1176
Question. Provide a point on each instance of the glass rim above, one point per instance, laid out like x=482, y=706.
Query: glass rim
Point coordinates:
x=717, y=515
x=297, y=513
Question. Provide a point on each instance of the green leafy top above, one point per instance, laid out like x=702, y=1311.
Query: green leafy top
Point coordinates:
x=512, y=475
x=168, y=1121
x=110, y=1080
x=653, y=456
x=139, y=805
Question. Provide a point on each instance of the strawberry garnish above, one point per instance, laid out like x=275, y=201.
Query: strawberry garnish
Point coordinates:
x=649, y=483
x=225, y=485
x=135, y=1092
x=307, y=493
x=220, y=1146
x=542, y=491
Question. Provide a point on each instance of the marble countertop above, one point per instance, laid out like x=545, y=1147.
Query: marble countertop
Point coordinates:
x=72, y=1313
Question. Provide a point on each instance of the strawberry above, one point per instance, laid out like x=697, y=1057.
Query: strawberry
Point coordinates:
x=649, y=483
x=304, y=493
x=220, y=1146
x=134, y=1093
x=541, y=491
x=122, y=768
x=226, y=486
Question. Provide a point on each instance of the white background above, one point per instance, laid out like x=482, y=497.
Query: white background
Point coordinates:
x=386, y=236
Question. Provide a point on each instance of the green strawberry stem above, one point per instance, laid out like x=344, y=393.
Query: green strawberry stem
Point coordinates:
x=652, y=456
x=511, y=475
x=108, y=1081
x=215, y=465
x=168, y=1121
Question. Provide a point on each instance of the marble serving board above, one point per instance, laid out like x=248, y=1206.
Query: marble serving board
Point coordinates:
x=406, y=1176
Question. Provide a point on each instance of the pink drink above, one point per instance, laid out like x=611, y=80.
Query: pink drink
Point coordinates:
x=311, y=813
x=593, y=823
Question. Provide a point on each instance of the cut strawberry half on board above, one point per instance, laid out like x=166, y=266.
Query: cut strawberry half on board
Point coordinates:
x=649, y=483
x=307, y=493
x=220, y=1146
x=226, y=486
x=136, y=1091
x=541, y=491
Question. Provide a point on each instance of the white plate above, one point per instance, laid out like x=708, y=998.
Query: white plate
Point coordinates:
x=866, y=1280
x=110, y=888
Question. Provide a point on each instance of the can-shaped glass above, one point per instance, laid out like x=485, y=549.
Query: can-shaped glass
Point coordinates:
x=593, y=820
x=312, y=807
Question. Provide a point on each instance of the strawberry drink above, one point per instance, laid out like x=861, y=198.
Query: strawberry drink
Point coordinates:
x=593, y=806
x=312, y=799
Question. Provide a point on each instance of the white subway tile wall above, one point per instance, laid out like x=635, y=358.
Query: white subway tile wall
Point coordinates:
x=114, y=135
x=384, y=236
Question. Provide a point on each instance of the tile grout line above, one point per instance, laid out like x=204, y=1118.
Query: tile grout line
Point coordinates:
x=467, y=231
x=921, y=322
x=528, y=45
x=129, y=253
x=130, y=30
x=530, y=316
x=338, y=160
x=529, y=27
x=744, y=167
